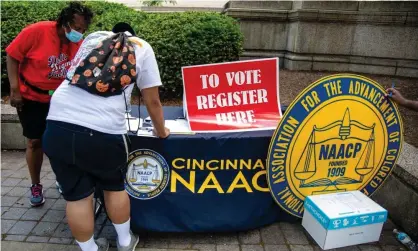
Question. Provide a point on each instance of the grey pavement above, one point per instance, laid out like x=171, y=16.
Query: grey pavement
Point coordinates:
x=45, y=228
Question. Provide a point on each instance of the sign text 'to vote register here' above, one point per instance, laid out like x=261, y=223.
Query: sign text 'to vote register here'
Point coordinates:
x=233, y=96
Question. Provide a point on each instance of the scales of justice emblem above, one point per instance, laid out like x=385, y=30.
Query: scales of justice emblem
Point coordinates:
x=336, y=155
x=145, y=176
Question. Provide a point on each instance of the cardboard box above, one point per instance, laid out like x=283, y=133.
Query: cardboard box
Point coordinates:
x=343, y=219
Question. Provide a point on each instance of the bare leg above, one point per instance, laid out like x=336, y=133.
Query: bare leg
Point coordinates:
x=118, y=209
x=80, y=217
x=34, y=159
x=117, y=206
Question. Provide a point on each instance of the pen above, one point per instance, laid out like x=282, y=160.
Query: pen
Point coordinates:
x=393, y=86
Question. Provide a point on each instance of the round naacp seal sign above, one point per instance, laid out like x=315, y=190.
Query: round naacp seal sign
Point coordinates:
x=340, y=134
x=147, y=175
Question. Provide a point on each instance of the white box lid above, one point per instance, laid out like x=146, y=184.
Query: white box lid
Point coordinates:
x=345, y=209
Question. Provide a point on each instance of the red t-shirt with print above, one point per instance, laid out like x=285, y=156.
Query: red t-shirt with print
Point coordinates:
x=44, y=59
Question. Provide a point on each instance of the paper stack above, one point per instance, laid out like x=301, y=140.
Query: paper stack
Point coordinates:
x=178, y=126
x=144, y=127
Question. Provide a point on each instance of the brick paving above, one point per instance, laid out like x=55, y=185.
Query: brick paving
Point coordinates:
x=45, y=228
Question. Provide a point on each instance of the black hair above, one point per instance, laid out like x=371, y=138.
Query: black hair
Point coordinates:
x=122, y=27
x=67, y=14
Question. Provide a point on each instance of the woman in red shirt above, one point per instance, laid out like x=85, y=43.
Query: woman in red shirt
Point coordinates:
x=37, y=63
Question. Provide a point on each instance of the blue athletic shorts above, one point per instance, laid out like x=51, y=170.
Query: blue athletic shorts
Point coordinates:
x=83, y=159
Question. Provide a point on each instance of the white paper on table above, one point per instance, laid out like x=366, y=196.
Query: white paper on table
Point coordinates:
x=178, y=126
x=146, y=133
x=133, y=123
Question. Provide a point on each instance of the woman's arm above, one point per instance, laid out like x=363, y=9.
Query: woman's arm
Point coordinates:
x=12, y=71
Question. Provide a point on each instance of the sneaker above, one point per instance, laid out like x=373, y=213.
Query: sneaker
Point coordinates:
x=103, y=244
x=58, y=187
x=132, y=245
x=37, y=196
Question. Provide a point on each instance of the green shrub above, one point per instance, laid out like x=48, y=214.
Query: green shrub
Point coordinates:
x=178, y=39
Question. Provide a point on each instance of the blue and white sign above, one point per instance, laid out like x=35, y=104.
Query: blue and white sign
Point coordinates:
x=147, y=175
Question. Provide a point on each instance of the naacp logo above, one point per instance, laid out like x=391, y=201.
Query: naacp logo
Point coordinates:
x=147, y=175
x=340, y=134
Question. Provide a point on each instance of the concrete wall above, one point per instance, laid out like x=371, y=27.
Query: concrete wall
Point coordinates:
x=344, y=36
x=399, y=194
x=11, y=129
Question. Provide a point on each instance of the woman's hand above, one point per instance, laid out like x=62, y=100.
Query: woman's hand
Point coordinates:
x=162, y=135
x=16, y=99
